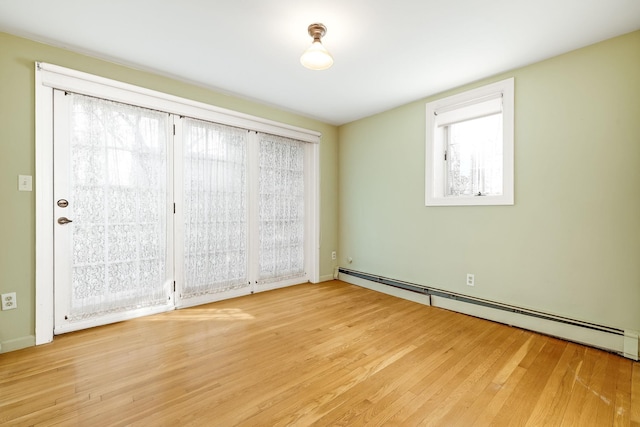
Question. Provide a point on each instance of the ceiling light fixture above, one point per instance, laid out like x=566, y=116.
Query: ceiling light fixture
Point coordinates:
x=316, y=57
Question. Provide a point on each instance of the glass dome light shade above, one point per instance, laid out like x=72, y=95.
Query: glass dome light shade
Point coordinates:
x=316, y=57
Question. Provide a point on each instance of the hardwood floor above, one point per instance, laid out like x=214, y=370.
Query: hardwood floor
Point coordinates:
x=328, y=354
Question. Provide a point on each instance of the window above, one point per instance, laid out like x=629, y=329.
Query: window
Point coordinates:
x=469, y=147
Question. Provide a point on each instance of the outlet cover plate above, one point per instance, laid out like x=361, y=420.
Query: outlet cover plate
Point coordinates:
x=9, y=301
x=471, y=279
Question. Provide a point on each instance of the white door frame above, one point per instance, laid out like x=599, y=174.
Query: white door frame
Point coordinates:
x=50, y=77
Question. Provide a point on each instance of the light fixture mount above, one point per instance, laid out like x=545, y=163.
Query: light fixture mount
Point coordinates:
x=317, y=31
x=316, y=57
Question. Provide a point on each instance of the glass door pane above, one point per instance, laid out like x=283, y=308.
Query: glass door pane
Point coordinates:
x=111, y=169
x=281, y=209
x=215, y=225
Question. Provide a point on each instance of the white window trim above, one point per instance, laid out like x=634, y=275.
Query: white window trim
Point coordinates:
x=434, y=179
x=49, y=77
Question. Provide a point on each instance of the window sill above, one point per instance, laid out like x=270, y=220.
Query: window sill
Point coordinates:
x=469, y=201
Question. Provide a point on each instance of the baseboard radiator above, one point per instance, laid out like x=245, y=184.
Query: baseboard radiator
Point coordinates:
x=620, y=341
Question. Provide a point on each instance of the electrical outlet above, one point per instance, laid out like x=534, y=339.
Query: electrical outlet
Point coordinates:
x=9, y=301
x=334, y=255
x=471, y=279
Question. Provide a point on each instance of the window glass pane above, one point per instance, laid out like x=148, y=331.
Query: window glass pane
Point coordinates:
x=281, y=208
x=215, y=213
x=118, y=159
x=474, y=157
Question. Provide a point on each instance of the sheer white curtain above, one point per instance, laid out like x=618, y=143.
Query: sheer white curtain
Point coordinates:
x=118, y=196
x=281, y=207
x=215, y=208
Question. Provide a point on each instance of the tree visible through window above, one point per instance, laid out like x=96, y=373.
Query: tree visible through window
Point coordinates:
x=474, y=157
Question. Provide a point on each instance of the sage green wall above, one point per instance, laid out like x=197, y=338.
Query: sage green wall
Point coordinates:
x=17, y=156
x=571, y=243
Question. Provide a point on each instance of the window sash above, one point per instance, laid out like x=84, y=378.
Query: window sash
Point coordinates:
x=473, y=167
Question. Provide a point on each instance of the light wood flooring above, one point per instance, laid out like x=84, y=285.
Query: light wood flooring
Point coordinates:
x=327, y=355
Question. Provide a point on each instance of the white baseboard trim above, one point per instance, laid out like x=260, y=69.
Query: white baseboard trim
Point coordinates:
x=17, y=343
x=626, y=344
x=326, y=278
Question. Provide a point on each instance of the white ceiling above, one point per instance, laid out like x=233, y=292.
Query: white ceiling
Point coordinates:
x=386, y=53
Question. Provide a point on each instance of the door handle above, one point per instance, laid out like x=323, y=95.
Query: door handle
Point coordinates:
x=64, y=220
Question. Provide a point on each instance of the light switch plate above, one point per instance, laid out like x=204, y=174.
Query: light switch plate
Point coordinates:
x=25, y=183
